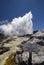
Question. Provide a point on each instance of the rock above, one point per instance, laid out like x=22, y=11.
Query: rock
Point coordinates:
x=9, y=49
x=35, y=45
x=22, y=58
x=4, y=49
x=1, y=44
x=37, y=58
x=29, y=50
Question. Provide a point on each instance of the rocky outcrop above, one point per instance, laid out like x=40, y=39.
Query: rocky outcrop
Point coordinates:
x=23, y=50
x=35, y=46
x=9, y=49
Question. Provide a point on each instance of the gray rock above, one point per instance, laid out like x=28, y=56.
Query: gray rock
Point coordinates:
x=35, y=45
x=22, y=58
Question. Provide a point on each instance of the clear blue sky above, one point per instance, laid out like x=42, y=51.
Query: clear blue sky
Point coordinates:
x=10, y=9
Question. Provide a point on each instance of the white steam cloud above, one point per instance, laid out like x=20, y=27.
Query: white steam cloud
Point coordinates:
x=19, y=26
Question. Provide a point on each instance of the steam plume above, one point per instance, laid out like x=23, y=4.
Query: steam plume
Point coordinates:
x=19, y=26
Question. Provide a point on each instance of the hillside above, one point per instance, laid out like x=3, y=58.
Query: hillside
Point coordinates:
x=20, y=47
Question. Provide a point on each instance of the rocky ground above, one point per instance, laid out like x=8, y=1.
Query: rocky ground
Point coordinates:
x=9, y=48
x=23, y=50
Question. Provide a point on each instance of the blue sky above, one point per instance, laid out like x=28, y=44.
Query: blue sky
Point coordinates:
x=10, y=9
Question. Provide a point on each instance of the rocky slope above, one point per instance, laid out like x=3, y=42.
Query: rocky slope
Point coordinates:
x=8, y=48
x=23, y=50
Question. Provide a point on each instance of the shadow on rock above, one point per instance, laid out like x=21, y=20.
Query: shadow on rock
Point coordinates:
x=41, y=37
x=4, y=49
x=39, y=64
x=22, y=63
x=41, y=43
